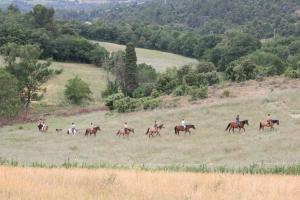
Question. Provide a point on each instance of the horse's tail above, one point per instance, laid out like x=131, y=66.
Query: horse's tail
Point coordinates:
x=227, y=127
x=260, y=125
x=175, y=129
x=118, y=132
x=147, y=131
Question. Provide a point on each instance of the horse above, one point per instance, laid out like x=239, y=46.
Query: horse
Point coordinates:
x=233, y=125
x=153, y=130
x=92, y=131
x=122, y=132
x=262, y=125
x=69, y=131
x=186, y=129
x=44, y=129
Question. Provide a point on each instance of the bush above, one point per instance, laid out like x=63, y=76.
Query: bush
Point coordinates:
x=155, y=93
x=180, y=90
x=226, y=93
x=166, y=83
x=292, y=73
x=77, y=90
x=109, y=101
x=205, y=67
x=143, y=90
x=241, y=70
x=199, y=93
x=126, y=104
x=150, y=104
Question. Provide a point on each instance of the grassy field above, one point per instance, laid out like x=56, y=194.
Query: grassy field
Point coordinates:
x=159, y=60
x=29, y=183
x=95, y=77
x=208, y=144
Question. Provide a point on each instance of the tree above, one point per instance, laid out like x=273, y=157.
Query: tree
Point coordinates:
x=42, y=15
x=77, y=90
x=130, y=72
x=98, y=55
x=29, y=71
x=10, y=102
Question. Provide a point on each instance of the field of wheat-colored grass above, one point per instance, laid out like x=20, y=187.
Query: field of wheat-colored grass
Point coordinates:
x=158, y=59
x=48, y=184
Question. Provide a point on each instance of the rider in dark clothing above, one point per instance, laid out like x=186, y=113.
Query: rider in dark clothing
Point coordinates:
x=238, y=120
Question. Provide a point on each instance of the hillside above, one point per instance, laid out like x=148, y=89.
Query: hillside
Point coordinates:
x=158, y=59
x=208, y=144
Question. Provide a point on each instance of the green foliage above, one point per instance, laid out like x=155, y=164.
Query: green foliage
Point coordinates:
x=150, y=103
x=292, y=73
x=205, y=67
x=111, y=88
x=155, y=93
x=167, y=81
x=144, y=90
x=29, y=71
x=199, y=93
x=77, y=91
x=146, y=74
x=242, y=70
x=10, y=101
x=226, y=93
x=98, y=55
x=126, y=104
x=109, y=101
x=130, y=71
x=42, y=16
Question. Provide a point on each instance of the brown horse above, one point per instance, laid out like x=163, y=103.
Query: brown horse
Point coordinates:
x=123, y=132
x=92, y=131
x=151, y=131
x=181, y=128
x=233, y=125
x=262, y=125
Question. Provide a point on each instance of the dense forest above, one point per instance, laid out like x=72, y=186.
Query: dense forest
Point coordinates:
x=260, y=18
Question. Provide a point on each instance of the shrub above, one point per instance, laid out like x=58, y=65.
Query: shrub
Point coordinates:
x=109, y=101
x=155, y=93
x=166, y=83
x=143, y=90
x=226, y=93
x=199, y=93
x=241, y=70
x=180, y=90
x=292, y=73
x=77, y=90
x=150, y=104
x=126, y=104
x=205, y=67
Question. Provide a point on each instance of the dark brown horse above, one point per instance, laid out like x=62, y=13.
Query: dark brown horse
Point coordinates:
x=262, y=125
x=123, y=132
x=233, y=125
x=92, y=131
x=181, y=128
x=151, y=131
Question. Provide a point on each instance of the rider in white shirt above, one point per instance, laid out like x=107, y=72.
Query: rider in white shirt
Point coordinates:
x=73, y=128
x=183, y=123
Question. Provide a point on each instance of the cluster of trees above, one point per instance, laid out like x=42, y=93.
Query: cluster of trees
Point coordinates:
x=55, y=39
x=259, y=18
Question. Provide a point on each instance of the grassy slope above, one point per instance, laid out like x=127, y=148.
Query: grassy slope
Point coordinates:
x=20, y=183
x=95, y=77
x=208, y=144
x=159, y=60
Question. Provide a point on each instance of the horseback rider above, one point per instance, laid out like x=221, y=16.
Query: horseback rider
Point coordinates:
x=125, y=127
x=183, y=124
x=237, y=120
x=92, y=126
x=73, y=128
x=155, y=125
x=269, y=119
x=40, y=124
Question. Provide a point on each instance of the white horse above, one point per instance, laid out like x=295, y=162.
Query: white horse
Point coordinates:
x=74, y=132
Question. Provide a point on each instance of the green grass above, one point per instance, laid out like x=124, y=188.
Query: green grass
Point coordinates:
x=208, y=145
x=158, y=59
x=95, y=77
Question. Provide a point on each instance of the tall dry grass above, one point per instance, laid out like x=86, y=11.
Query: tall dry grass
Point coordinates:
x=29, y=183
